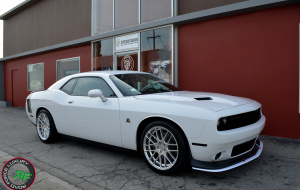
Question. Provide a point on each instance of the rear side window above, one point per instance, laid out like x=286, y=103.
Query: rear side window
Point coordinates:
x=68, y=87
x=84, y=85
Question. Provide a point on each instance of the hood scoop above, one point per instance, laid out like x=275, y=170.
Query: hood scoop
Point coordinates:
x=203, y=98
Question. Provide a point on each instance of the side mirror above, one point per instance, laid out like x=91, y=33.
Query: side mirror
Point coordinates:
x=96, y=93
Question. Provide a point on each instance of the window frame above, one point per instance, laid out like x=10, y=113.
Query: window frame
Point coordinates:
x=92, y=52
x=115, y=95
x=172, y=12
x=174, y=8
x=173, y=45
x=42, y=63
x=67, y=59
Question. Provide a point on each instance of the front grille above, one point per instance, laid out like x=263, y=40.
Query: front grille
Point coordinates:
x=241, y=148
x=240, y=120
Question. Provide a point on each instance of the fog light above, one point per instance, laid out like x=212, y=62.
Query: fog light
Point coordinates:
x=218, y=156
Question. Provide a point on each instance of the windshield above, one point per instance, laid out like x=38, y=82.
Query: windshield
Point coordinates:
x=138, y=84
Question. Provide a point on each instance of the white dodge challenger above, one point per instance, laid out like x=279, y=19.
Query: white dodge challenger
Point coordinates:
x=139, y=111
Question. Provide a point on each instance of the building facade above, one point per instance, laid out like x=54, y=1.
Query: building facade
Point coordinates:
x=247, y=48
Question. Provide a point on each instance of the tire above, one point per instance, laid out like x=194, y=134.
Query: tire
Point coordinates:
x=163, y=148
x=45, y=126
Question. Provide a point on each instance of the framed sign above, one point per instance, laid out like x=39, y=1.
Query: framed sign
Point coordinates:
x=128, y=42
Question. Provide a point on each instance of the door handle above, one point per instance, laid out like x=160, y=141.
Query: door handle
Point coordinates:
x=70, y=101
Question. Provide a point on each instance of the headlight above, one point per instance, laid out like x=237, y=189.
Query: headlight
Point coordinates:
x=222, y=123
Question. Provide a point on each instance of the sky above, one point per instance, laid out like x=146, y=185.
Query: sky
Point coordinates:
x=5, y=5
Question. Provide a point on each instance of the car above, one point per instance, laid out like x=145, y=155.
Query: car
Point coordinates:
x=170, y=128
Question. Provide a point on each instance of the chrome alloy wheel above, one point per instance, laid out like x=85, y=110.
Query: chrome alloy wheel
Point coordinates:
x=43, y=126
x=160, y=148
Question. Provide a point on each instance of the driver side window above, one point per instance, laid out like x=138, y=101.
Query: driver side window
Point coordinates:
x=84, y=85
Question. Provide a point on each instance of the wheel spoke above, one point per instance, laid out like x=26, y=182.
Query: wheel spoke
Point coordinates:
x=156, y=133
x=42, y=116
x=152, y=136
x=40, y=120
x=47, y=133
x=166, y=156
x=159, y=160
x=150, y=140
x=151, y=156
x=156, y=159
x=165, y=136
x=171, y=156
x=149, y=145
x=169, y=139
x=161, y=134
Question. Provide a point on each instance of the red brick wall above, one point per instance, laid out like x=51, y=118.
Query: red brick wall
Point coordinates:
x=254, y=55
x=18, y=92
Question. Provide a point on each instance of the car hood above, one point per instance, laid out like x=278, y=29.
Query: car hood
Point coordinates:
x=212, y=101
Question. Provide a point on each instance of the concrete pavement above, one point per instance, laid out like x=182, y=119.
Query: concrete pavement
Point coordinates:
x=70, y=164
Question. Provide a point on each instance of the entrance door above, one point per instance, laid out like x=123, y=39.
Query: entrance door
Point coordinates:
x=14, y=89
x=127, y=61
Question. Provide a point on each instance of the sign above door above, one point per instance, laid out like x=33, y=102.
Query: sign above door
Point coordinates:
x=128, y=42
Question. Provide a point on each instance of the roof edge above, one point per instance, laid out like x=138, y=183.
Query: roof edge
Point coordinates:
x=17, y=9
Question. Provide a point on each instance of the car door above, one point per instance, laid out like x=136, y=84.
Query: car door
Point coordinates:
x=90, y=118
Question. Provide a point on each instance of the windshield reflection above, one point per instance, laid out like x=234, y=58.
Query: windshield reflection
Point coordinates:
x=138, y=84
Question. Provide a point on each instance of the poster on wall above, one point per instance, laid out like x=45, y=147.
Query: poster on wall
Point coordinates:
x=127, y=42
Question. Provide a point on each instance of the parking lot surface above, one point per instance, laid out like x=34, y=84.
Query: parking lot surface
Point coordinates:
x=72, y=164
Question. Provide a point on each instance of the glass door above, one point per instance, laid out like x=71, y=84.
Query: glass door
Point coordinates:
x=127, y=61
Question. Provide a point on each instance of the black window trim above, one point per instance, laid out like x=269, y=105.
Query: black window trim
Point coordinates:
x=115, y=95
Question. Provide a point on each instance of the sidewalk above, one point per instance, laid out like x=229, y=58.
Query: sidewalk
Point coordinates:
x=43, y=179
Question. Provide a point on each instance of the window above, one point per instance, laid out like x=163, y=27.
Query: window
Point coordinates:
x=103, y=16
x=68, y=87
x=66, y=67
x=84, y=85
x=137, y=84
x=155, y=9
x=35, y=76
x=109, y=15
x=156, y=52
x=103, y=55
x=126, y=13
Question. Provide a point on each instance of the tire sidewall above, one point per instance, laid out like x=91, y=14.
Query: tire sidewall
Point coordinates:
x=181, y=147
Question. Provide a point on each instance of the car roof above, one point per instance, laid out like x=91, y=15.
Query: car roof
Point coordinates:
x=107, y=73
x=59, y=83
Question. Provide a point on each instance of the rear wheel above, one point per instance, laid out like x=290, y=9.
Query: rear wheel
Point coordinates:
x=45, y=127
x=163, y=147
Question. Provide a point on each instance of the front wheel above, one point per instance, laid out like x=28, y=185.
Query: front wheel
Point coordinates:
x=163, y=147
x=45, y=127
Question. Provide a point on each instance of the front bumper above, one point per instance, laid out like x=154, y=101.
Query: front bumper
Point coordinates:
x=220, y=166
